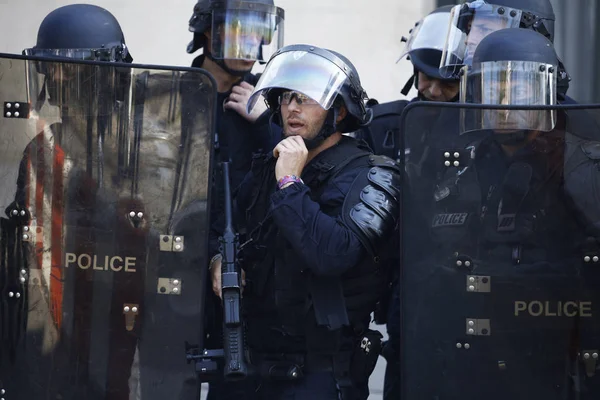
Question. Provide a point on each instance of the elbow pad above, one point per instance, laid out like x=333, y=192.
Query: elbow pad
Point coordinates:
x=372, y=207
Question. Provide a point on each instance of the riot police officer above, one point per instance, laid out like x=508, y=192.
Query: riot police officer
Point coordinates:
x=233, y=37
x=49, y=170
x=424, y=50
x=103, y=161
x=311, y=258
x=475, y=19
x=505, y=234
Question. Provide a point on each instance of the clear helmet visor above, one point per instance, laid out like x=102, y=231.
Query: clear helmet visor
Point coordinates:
x=247, y=34
x=429, y=33
x=469, y=24
x=511, y=83
x=301, y=71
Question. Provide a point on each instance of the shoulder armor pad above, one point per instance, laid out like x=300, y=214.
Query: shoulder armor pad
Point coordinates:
x=384, y=161
x=372, y=207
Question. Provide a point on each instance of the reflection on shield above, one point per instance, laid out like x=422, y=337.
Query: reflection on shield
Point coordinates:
x=105, y=173
x=500, y=273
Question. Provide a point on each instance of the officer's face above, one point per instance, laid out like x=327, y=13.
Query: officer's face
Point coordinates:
x=304, y=119
x=517, y=92
x=437, y=90
x=250, y=46
x=478, y=30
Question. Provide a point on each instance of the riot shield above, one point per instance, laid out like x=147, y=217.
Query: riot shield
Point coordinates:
x=105, y=175
x=500, y=270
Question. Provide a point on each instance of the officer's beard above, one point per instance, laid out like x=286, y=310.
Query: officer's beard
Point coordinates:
x=329, y=128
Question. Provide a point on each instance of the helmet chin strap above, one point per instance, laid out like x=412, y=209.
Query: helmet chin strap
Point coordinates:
x=221, y=64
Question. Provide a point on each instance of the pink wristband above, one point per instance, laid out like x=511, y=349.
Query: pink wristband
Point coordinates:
x=287, y=179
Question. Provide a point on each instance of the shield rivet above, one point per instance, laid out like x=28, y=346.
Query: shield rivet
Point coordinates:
x=459, y=345
x=16, y=114
x=447, y=163
x=22, y=213
x=472, y=279
x=134, y=309
x=140, y=215
x=447, y=154
x=17, y=105
x=175, y=290
x=471, y=288
x=595, y=258
x=126, y=308
x=176, y=282
x=456, y=155
x=17, y=295
x=467, y=346
x=459, y=263
x=595, y=356
x=456, y=163
x=132, y=214
x=15, y=212
x=8, y=114
x=586, y=356
x=468, y=264
x=11, y=294
x=8, y=105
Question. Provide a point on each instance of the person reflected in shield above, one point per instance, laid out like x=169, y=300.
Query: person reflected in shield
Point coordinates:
x=58, y=202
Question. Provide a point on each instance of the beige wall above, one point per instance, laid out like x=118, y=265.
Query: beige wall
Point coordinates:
x=368, y=32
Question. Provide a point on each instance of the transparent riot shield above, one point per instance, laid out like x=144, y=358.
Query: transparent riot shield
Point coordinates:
x=105, y=173
x=500, y=270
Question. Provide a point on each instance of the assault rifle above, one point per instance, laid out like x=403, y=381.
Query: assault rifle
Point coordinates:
x=232, y=356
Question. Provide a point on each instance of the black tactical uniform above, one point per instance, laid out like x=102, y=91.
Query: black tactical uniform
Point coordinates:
x=312, y=262
x=484, y=296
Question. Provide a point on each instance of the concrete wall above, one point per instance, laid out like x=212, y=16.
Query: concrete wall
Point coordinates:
x=367, y=32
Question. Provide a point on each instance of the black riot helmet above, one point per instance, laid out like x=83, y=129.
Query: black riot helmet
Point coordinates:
x=515, y=67
x=425, y=44
x=325, y=77
x=537, y=14
x=81, y=32
x=242, y=30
